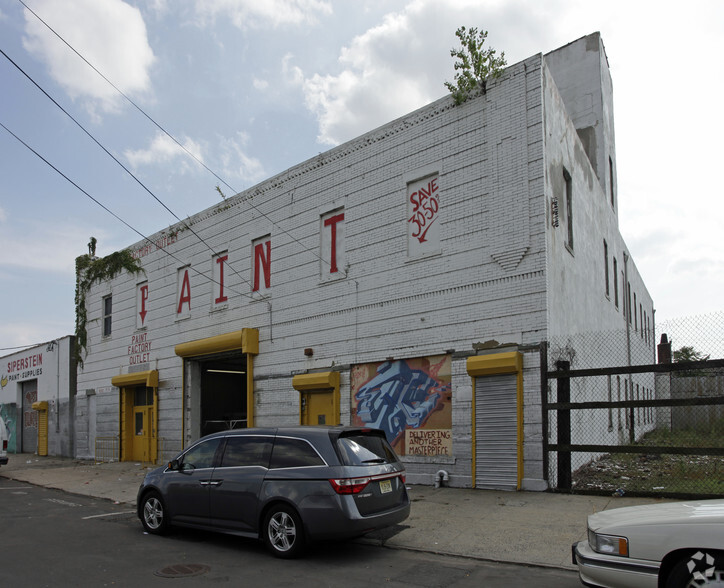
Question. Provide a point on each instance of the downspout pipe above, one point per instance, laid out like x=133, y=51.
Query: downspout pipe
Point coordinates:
x=627, y=304
x=440, y=477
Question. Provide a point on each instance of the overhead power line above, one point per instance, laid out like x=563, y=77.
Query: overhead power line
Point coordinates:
x=122, y=93
x=109, y=211
x=169, y=135
x=114, y=158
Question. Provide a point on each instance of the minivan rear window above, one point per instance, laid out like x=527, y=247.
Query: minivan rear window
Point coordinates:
x=293, y=453
x=360, y=449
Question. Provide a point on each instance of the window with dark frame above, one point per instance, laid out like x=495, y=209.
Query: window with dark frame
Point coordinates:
x=628, y=303
x=569, y=206
x=107, y=311
x=636, y=320
x=605, y=263
x=610, y=182
x=615, y=282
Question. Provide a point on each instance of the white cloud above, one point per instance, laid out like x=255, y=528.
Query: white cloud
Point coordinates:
x=162, y=150
x=260, y=84
x=231, y=152
x=54, y=253
x=399, y=65
x=248, y=14
x=292, y=73
x=110, y=34
x=236, y=163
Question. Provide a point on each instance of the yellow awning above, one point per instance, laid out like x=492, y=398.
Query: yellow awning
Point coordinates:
x=317, y=381
x=246, y=340
x=148, y=378
x=495, y=363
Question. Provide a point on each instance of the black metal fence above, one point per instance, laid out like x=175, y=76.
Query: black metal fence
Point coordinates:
x=655, y=429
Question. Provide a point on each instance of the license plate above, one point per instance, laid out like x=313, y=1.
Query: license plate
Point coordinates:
x=385, y=486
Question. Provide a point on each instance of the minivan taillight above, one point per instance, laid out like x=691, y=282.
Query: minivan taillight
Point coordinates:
x=356, y=485
x=349, y=485
x=5, y=444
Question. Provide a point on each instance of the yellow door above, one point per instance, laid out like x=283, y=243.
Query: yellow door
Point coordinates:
x=142, y=433
x=318, y=408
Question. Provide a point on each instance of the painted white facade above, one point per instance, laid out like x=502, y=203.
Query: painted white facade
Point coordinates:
x=433, y=235
x=42, y=374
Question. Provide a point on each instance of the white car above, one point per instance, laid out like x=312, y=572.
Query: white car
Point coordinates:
x=3, y=443
x=668, y=545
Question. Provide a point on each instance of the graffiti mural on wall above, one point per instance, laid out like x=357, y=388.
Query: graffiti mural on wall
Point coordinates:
x=410, y=400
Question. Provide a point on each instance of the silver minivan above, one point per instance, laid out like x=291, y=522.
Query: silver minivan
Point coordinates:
x=286, y=486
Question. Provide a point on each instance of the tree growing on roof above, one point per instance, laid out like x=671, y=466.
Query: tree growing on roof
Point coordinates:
x=474, y=65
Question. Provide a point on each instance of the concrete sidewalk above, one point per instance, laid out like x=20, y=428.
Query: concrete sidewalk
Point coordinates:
x=516, y=527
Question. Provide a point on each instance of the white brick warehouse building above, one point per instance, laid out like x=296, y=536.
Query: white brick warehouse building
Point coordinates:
x=403, y=280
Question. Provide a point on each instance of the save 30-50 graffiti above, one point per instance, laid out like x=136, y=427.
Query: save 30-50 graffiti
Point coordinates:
x=425, y=205
x=423, y=217
x=406, y=395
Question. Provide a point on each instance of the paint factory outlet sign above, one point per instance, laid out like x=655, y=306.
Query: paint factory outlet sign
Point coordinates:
x=139, y=351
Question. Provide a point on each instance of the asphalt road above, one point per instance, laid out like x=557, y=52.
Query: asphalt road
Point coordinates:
x=51, y=538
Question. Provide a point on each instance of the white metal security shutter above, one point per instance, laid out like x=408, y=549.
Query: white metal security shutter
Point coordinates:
x=496, y=432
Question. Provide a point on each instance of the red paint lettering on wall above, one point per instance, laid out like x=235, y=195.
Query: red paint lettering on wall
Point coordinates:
x=139, y=351
x=332, y=223
x=185, y=297
x=220, y=261
x=144, y=297
x=25, y=363
x=425, y=205
x=262, y=263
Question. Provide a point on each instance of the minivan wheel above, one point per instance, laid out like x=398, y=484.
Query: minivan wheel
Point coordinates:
x=153, y=514
x=283, y=531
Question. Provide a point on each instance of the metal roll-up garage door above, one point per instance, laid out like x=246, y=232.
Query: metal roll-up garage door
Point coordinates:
x=496, y=432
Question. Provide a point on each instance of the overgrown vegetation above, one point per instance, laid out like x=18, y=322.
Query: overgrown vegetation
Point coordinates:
x=688, y=353
x=660, y=474
x=474, y=65
x=89, y=270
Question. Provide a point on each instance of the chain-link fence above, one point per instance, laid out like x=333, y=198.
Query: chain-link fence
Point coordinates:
x=635, y=426
x=702, y=334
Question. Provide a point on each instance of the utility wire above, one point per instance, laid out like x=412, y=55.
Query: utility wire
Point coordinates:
x=70, y=116
x=109, y=211
x=136, y=106
x=170, y=136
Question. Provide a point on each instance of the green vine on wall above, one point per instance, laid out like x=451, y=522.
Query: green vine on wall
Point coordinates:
x=89, y=270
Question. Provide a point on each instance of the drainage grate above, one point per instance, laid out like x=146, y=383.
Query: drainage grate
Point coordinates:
x=182, y=570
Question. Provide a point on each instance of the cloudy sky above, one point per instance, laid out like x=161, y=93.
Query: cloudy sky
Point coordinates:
x=253, y=87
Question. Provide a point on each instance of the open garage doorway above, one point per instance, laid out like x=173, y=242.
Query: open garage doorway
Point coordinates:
x=218, y=383
x=223, y=394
